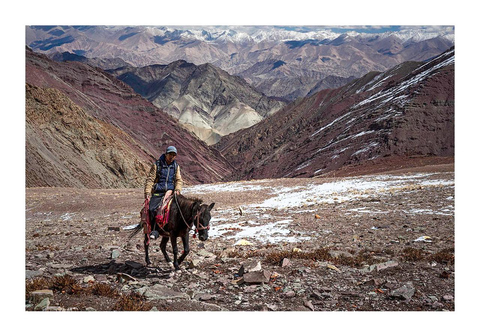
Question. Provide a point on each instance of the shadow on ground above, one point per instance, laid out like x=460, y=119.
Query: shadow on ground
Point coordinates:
x=128, y=269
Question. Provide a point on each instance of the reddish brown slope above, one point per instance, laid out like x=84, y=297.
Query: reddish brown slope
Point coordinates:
x=106, y=99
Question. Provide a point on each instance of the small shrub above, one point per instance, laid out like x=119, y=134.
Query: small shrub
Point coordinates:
x=66, y=284
x=37, y=284
x=413, y=254
x=444, y=256
x=63, y=284
x=102, y=289
x=132, y=302
x=362, y=258
x=323, y=254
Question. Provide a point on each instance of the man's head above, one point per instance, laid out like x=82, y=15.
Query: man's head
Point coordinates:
x=170, y=154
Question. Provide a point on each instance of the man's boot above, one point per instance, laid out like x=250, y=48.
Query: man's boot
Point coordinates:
x=154, y=235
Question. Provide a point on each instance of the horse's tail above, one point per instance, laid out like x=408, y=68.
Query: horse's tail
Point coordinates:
x=144, y=221
x=135, y=231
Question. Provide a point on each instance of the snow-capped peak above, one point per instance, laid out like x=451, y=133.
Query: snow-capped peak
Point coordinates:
x=272, y=33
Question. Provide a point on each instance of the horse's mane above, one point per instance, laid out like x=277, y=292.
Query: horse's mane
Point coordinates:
x=182, y=200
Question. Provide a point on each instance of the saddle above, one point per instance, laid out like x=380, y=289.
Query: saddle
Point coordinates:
x=161, y=216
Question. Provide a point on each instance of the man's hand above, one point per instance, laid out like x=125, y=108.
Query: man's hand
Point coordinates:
x=147, y=196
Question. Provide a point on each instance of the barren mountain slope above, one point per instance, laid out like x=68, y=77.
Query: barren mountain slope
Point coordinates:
x=407, y=111
x=106, y=99
x=67, y=147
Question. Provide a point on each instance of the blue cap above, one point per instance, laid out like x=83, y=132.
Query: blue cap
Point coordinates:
x=171, y=149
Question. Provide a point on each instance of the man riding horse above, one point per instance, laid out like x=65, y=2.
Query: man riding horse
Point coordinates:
x=183, y=214
x=162, y=181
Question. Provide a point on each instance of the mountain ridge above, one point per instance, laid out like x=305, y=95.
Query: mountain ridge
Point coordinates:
x=405, y=111
x=236, y=49
x=206, y=100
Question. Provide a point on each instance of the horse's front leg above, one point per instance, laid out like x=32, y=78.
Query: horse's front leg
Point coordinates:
x=146, y=241
x=173, y=239
x=186, y=248
x=163, y=247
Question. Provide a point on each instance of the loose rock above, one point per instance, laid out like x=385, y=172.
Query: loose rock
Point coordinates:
x=42, y=305
x=160, y=292
x=447, y=297
x=204, y=297
x=290, y=294
x=29, y=274
x=122, y=277
x=249, y=266
x=308, y=304
x=115, y=254
x=286, y=262
x=262, y=276
x=39, y=295
x=405, y=292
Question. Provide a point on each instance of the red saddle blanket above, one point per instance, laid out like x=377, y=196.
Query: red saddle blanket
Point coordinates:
x=161, y=219
x=162, y=215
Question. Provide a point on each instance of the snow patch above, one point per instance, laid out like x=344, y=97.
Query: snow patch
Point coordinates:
x=67, y=216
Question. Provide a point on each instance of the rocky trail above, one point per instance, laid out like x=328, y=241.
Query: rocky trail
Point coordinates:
x=375, y=242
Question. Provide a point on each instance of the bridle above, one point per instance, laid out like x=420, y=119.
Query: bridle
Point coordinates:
x=198, y=226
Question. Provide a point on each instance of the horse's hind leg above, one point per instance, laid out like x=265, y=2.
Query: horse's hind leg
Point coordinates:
x=163, y=247
x=186, y=248
x=146, y=241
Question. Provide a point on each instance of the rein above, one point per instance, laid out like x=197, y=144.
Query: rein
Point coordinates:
x=199, y=226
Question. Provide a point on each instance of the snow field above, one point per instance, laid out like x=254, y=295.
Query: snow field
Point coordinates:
x=262, y=222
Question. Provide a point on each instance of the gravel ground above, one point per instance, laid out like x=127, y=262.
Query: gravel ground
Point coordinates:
x=380, y=242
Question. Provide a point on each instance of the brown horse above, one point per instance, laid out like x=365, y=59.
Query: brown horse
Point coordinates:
x=184, y=214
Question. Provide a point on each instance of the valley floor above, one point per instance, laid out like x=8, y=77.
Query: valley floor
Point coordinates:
x=374, y=242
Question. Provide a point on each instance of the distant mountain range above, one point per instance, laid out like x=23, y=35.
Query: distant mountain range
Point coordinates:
x=281, y=62
x=207, y=100
x=393, y=116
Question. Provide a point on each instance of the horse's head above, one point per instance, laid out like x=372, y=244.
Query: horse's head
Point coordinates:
x=202, y=222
